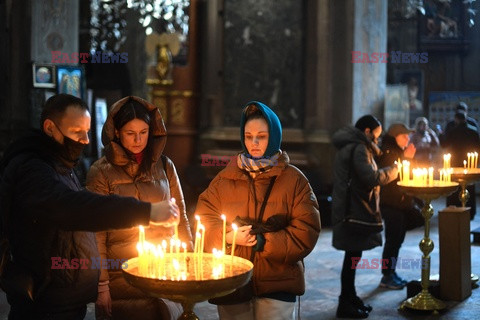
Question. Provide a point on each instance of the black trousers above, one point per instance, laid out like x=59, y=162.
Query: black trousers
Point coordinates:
x=453, y=200
x=395, y=222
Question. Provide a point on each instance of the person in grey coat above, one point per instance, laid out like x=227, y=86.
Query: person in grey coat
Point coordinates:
x=356, y=189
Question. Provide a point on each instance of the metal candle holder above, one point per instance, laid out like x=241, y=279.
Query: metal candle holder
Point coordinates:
x=424, y=300
x=188, y=291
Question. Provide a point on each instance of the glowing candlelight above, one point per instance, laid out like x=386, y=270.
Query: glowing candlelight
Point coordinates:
x=202, y=227
x=476, y=160
x=464, y=164
x=235, y=228
x=196, y=233
x=224, y=218
x=184, y=246
x=406, y=170
x=469, y=155
x=430, y=176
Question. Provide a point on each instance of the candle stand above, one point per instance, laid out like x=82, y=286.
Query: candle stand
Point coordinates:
x=424, y=300
x=466, y=177
x=205, y=277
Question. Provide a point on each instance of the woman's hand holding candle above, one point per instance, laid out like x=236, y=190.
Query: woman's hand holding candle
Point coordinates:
x=243, y=238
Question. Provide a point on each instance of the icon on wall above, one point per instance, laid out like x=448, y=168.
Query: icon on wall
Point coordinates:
x=71, y=80
x=43, y=75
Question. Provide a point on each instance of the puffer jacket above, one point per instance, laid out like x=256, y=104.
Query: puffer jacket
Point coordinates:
x=234, y=193
x=117, y=173
x=366, y=180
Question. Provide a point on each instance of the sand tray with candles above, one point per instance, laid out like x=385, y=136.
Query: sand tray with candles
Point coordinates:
x=189, y=276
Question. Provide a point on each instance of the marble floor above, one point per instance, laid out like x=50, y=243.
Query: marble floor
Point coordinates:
x=323, y=268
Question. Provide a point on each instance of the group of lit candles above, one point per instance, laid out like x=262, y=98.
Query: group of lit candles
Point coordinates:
x=423, y=177
x=472, y=161
x=171, y=260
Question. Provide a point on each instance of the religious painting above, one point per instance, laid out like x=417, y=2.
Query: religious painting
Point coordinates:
x=71, y=80
x=414, y=79
x=396, y=105
x=43, y=75
x=443, y=25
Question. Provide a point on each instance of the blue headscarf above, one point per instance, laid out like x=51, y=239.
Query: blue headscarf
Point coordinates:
x=274, y=129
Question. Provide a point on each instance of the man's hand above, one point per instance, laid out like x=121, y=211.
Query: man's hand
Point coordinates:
x=165, y=213
x=409, y=152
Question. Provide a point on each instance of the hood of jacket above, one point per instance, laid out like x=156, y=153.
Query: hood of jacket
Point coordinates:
x=350, y=134
x=114, y=151
x=274, y=129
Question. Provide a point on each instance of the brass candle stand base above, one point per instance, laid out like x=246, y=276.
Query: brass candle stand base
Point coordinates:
x=424, y=300
x=197, y=286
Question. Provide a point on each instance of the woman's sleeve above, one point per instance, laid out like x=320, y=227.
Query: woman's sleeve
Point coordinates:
x=176, y=192
x=298, y=239
x=97, y=182
x=366, y=173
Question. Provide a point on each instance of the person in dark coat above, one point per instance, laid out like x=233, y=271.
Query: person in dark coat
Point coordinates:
x=394, y=204
x=462, y=107
x=356, y=190
x=459, y=141
x=47, y=218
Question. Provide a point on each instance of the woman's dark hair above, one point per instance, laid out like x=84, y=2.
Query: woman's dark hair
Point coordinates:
x=132, y=109
x=367, y=121
x=56, y=105
x=252, y=112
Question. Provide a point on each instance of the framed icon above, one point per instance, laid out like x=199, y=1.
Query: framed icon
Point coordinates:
x=71, y=80
x=43, y=75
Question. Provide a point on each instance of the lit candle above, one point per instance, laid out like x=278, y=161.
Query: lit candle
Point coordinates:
x=141, y=235
x=224, y=218
x=202, y=227
x=476, y=160
x=196, y=233
x=399, y=169
x=235, y=228
x=184, y=246
x=469, y=161
x=465, y=164
x=430, y=176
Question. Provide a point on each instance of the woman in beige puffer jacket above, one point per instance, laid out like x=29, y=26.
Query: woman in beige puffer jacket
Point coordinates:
x=134, y=137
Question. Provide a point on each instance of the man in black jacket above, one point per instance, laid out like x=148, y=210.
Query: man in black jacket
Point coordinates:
x=47, y=217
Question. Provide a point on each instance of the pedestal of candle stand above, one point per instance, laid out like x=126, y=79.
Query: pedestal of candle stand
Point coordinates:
x=424, y=300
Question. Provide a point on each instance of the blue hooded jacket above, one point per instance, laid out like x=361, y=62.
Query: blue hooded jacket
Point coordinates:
x=274, y=129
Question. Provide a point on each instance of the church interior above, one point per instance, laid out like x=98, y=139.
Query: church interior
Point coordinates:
x=319, y=64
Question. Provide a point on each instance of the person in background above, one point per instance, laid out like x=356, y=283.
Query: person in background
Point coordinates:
x=459, y=141
x=396, y=207
x=134, y=137
x=277, y=242
x=48, y=219
x=461, y=107
x=356, y=190
x=426, y=142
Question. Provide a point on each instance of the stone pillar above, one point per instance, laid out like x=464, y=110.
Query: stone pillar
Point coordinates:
x=338, y=91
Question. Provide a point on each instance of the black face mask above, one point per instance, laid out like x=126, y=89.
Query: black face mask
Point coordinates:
x=70, y=151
